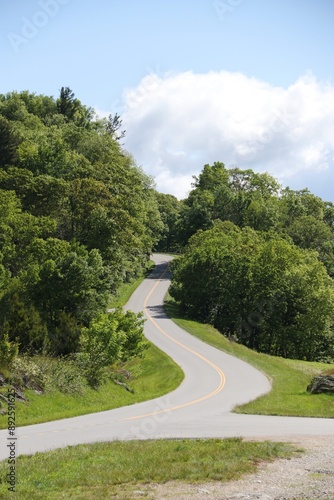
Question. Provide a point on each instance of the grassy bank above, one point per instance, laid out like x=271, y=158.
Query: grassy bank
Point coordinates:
x=289, y=377
x=151, y=377
x=116, y=470
x=123, y=470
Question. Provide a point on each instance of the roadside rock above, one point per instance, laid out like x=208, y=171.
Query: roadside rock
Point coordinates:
x=320, y=384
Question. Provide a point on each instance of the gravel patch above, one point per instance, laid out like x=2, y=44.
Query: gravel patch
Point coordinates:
x=309, y=475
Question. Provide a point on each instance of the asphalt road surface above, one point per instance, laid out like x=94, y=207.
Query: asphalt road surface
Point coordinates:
x=200, y=407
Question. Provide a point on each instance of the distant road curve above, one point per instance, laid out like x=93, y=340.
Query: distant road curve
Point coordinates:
x=199, y=408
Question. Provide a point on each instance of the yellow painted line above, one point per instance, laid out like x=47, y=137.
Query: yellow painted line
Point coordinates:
x=222, y=378
x=220, y=387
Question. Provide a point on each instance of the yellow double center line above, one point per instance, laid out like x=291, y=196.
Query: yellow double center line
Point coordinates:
x=222, y=378
x=220, y=386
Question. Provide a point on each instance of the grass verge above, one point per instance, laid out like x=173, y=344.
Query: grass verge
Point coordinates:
x=114, y=470
x=154, y=375
x=289, y=377
x=126, y=289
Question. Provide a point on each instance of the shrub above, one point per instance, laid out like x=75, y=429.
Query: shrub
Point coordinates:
x=8, y=352
x=113, y=337
x=28, y=374
x=62, y=374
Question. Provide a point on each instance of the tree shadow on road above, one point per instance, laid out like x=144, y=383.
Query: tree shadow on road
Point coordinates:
x=158, y=271
x=157, y=312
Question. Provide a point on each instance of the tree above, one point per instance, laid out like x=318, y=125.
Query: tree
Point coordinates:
x=110, y=338
x=307, y=231
x=70, y=280
x=8, y=353
x=66, y=104
x=169, y=208
x=72, y=108
x=270, y=294
x=113, y=126
x=9, y=141
x=294, y=204
x=210, y=279
x=77, y=218
x=294, y=296
x=21, y=322
x=243, y=197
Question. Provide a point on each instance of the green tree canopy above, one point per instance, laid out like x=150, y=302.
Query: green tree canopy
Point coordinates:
x=77, y=218
x=270, y=294
x=243, y=197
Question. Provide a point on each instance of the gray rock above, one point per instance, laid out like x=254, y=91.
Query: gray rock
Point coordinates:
x=321, y=384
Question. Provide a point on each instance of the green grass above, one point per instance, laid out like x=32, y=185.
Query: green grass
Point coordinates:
x=289, y=377
x=126, y=289
x=116, y=470
x=152, y=376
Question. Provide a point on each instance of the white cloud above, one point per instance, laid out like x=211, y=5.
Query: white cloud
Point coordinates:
x=178, y=122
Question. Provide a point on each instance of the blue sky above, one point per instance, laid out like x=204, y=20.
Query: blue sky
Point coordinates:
x=246, y=82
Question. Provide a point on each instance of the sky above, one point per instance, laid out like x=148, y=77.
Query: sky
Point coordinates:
x=246, y=82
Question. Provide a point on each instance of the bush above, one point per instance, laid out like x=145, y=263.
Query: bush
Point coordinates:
x=113, y=337
x=28, y=374
x=273, y=296
x=43, y=373
x=8, y=352
x=67, y=377
x=62, y=374
x=22, y=322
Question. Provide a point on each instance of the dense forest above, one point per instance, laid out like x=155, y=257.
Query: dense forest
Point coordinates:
x=78, y=218
x=257, y=263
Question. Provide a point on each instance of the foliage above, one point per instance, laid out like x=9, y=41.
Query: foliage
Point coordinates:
x=152, y=376
x=77, y=218
x=28, y=374
x=113, y=470
x=61, y=374
x=8, y=352
x=289, y=377
x=271, y=295
x=243, y=197
x=169, y=208
x=252, y=199
x=22, y=322
x=258, y=261
x=114, y=124
x=72, y=109
x=126, y=289
x=45, y=374
x=112, y=337
x=9, y=141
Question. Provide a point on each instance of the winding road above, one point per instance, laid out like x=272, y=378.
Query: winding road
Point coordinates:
x=200, y=407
